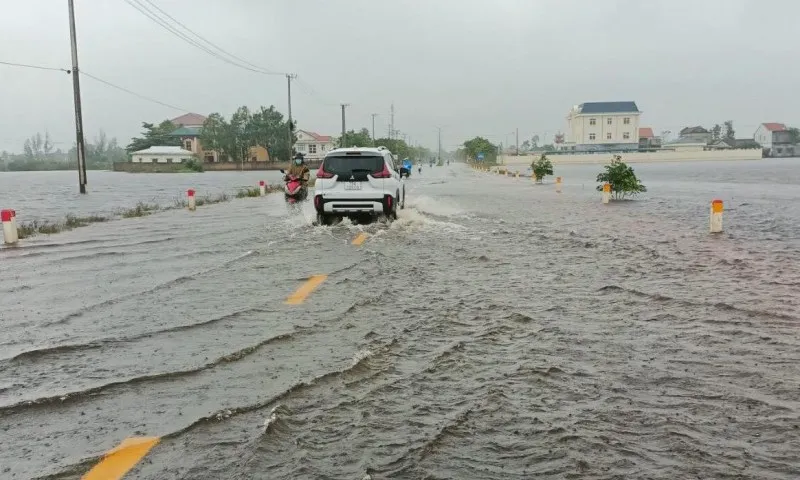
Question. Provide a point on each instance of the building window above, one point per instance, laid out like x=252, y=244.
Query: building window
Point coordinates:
x=626, y=121
x=187, y=144
x=301, y=147
x=608, y=121
x=608, y=136
x=626, y=135
x=209, y=159
x=154, y=160
x=312, y=148
x=169, y=160
x=592, y=121
x=591, y=136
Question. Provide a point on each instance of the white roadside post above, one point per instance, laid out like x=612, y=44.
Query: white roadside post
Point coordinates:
x=262, y=187
x=191, y=201
x=558, y=184
x=606, y=192
x=10, y=236
x=716, y=216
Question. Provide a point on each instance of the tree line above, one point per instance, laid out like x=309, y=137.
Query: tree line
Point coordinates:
x=39, y=154
x=397, y=146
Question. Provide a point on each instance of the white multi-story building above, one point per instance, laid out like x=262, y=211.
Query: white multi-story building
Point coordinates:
x=598, y=126
x=312, y=145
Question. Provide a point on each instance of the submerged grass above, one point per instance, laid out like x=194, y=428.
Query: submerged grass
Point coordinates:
x=141, y=209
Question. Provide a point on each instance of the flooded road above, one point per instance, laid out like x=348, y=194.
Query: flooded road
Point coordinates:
x=496, y=330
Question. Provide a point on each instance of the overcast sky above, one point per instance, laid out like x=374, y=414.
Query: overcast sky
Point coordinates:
x=474, y=67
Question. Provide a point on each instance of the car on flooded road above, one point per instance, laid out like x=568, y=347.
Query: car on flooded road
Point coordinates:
x=362, y=184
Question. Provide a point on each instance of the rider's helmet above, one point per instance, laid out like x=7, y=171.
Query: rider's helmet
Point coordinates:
x=298, y=159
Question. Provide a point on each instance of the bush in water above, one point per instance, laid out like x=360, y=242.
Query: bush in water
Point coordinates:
x=542, y=168
x=622, y=179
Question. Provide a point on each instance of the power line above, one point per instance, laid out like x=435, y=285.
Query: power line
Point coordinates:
x=200, y=37
x=144, y=10
x=38, y=67
x=130, y=92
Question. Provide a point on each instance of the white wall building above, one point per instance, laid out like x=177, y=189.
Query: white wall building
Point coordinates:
x=313, y=145
x=597, y=126
x=161, y=155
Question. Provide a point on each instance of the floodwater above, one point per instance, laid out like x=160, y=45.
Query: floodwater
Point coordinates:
x=497, y=330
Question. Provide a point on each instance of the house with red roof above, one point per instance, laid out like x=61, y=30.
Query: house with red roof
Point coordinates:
x=313, y=145
x=775, y=139
x=647, y=140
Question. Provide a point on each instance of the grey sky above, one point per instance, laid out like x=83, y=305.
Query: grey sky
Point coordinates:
x=477, y=67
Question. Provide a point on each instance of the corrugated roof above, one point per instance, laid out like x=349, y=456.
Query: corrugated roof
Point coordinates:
x=775, y=127
x=608, y=107
x=187, y=132
x=164, y=150
x=188, y=119
x=646, y=132
x=697, y=129
x=317, y=136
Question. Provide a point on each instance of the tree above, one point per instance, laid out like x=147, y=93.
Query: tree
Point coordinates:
x=716, y=133
x=397, y=146
x=271, y=132
x=794, y=134
x=542, y=167
x=234, y=139
x=480, y=145
x=730, y=133
x=362, y=138
x=622, y=179
x=535, y=141
x=154, y=135
x=525, y=146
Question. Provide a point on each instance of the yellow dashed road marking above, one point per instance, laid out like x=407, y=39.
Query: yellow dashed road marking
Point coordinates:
x=299, y=296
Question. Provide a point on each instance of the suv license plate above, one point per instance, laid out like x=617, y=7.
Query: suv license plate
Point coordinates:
x=352, y=186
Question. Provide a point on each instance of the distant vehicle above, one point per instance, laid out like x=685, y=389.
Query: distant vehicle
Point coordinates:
x=359, y=183
x=408, y=166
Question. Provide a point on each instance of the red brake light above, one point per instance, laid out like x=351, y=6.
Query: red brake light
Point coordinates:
x=323, y=174
x=383, y=173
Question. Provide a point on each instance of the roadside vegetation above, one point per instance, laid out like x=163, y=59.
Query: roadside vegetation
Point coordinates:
x=624, y=183
x=541, y=168
x=36, y=227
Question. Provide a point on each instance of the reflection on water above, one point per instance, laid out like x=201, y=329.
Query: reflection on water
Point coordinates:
x=495, y=330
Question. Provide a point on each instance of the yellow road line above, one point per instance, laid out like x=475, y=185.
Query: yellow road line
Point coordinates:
x=117, y=462
x=305, y=290
x=359, y=239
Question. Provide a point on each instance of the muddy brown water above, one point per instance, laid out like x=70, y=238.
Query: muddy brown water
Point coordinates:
x=496, y=330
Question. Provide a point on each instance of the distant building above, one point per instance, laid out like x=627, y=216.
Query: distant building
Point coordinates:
x=603, y=126
x=698, y=134
x=647, y=140
x=775, y=139
x=313, y=145
x=161, y=155
x=739, y=143
x=686, y=144
x=190, y=128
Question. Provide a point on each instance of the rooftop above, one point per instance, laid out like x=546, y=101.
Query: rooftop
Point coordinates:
x=646, y=132
x=189, y=119
x=775, y=127
x=164, y=150
x=317, y=136
x=608, y=107
x=187, y=132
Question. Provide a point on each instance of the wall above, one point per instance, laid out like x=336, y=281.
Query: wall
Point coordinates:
x=642, y=157
x=160, y=158
x=580, y=128
x=132, y=167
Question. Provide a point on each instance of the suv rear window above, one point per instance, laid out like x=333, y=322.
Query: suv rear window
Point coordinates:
x=357, y=166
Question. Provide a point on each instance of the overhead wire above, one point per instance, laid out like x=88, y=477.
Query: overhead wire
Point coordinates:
x=131, y=92
x=144, y=10
x=38, y=67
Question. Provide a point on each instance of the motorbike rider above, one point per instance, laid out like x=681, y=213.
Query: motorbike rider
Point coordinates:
x=298, y=169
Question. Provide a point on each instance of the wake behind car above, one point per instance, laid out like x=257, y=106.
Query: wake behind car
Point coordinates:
x=358, y=183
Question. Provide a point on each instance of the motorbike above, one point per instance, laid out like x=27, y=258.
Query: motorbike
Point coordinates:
x=294, y=189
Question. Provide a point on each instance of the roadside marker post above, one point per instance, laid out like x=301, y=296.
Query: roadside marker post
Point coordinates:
x=262, y=187
x=10, y=234
x=606, y=192
x=191, y=201
x=716, y=216
x=558, y=184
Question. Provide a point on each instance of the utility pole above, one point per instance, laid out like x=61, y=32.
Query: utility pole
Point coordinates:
x=518, y=141
x=391, y=123
x=76, y=87
x=440, y=144
x=289, y=77
x=344, y=143
x=373, y=128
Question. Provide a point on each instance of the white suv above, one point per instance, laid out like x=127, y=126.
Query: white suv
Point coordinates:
x=358, y=182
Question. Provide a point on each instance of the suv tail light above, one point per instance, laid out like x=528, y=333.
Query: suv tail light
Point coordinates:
x=323, y=174
x=385, y=173
x=318, y=202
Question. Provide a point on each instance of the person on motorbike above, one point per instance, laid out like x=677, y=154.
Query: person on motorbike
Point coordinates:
x=299, y=170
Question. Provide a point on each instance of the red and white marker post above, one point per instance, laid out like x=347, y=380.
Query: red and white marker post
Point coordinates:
x=262, y=187
x=10, y=235
x=191, y=200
